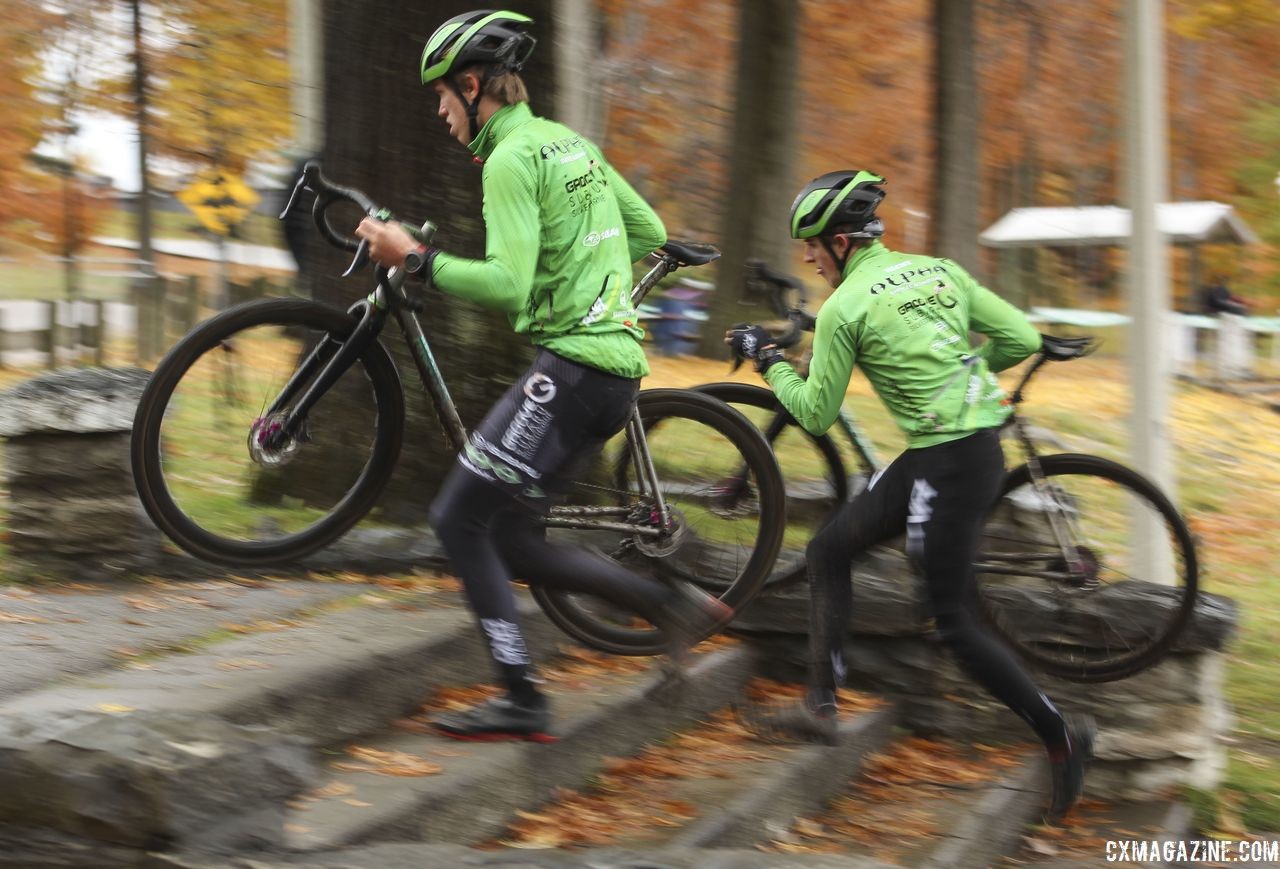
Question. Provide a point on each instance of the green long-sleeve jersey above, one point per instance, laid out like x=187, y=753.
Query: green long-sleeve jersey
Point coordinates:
x=562, y=230
x=905, y=320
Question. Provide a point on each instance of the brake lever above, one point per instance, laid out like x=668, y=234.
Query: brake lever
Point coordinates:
x=293, y=197
x=360, y=260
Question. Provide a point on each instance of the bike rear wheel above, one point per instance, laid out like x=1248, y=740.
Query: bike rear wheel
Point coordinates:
x=724, y=533
x=1111, y=602
x=812, y=469
x=205, y=466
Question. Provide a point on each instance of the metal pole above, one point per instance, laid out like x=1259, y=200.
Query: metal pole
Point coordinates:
x=1148, y=173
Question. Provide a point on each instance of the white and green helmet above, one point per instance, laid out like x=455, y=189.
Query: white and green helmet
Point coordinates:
x=485, y=36
x=847, y=198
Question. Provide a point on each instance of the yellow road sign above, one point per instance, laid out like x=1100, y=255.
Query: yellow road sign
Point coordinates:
x=219, y=200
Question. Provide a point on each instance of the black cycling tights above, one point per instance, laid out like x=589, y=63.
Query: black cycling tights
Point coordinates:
x=939, y=496
x=530, y=448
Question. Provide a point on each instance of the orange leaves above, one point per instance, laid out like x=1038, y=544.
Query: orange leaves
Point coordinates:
x=637, y=793
x=766, y=691
x=380, y=762
x=896, y=797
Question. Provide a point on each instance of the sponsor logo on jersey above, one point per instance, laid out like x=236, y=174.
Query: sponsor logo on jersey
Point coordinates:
x=937, y=298
x=905, y=279
x=561, y=147
x=594, y=238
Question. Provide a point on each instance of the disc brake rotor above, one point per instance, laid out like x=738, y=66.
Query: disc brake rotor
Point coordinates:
x=262, y=449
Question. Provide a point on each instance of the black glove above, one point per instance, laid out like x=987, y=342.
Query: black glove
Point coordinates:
x=755, y=343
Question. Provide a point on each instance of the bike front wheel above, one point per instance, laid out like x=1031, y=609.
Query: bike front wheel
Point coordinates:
x=813, y=471
x=1089, y=573
x=208, y=463
x=722, y=491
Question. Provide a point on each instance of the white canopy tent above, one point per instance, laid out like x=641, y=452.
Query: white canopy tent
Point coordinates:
x=1182, y=222
x=1188, y=224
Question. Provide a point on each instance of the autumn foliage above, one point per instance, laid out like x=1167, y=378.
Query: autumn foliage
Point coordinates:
x=1052, y=114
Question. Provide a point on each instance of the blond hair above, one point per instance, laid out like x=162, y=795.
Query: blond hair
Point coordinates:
x=505, y=87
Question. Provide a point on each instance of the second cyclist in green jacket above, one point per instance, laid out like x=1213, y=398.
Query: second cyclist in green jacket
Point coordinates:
x=906, y=321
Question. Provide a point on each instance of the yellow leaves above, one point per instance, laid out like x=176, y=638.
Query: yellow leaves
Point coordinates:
x=22, y=618
x=382, y=762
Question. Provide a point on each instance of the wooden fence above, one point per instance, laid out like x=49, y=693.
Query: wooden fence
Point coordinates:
x=86, y=332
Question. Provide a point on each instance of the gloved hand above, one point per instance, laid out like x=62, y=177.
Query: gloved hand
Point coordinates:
x=748, y=341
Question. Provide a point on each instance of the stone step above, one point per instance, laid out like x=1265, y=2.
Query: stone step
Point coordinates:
x=1083, y=840
x=927, y=803
x=474, y=789
x=421, y=856
x=326, y=678
x=52, y=632
x=711, y=785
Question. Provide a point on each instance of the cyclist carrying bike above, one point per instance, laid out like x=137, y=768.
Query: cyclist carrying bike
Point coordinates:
x=562, y=229
x=905, y=320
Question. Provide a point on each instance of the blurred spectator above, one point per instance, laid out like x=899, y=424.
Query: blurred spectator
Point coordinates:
x=1218, y=299
x=678, y=327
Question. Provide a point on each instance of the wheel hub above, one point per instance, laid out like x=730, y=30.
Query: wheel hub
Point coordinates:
x=1083, y=574
x=267, y=446
x=669, y=541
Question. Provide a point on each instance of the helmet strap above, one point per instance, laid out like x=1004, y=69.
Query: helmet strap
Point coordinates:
x=840, y=261
x=472, y=106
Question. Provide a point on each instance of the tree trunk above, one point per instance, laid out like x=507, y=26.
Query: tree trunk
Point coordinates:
x=956, y=190
x=382, y=135
x=761, y=185
x=579, y=96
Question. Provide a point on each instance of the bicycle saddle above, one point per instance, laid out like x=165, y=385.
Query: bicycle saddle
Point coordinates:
x=1061, y=349
x=691, y=253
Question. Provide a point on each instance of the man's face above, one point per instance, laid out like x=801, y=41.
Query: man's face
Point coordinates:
x=816, y=252
x=453, y=112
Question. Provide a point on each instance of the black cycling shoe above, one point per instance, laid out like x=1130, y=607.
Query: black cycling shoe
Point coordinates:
x=496, y=719
x=795, y=722
x=689, y=617
x=1068, y=774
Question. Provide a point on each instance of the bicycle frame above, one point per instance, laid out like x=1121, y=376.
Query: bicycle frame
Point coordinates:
x=330, y=358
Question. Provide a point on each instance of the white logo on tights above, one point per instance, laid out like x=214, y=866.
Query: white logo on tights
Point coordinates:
x=505, y=641
x=918, y=513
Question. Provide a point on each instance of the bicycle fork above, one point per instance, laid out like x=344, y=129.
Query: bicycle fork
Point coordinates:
x=1063, y=528
x=330, y=358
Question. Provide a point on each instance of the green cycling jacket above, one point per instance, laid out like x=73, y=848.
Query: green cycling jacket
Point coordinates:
x=562, y=230
x=905, y=320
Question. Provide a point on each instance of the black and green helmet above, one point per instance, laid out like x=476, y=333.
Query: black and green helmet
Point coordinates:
x=484, y=36
x=847, y=198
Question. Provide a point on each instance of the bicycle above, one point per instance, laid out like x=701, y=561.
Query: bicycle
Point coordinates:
x=1068, y=537
x=318, y=390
